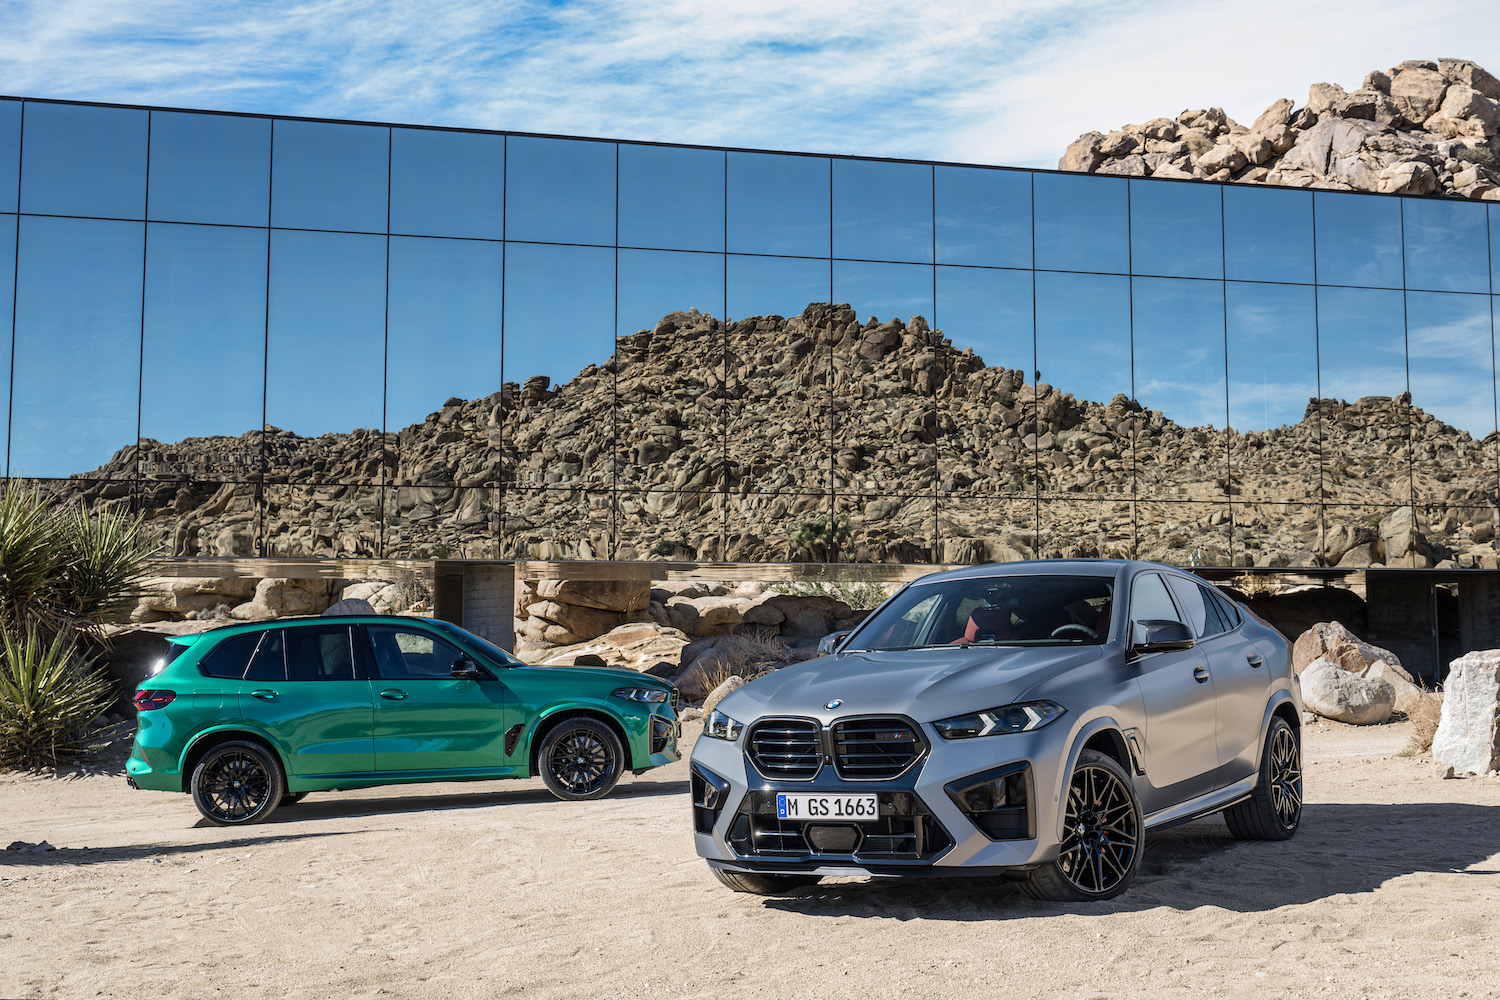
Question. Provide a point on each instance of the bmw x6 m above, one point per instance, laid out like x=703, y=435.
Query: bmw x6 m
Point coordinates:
x=1030, y=720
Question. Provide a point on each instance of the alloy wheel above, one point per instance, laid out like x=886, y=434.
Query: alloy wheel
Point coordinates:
x=1286, y=778
x=580, y=762
x=1103, y=831
x=235, y=785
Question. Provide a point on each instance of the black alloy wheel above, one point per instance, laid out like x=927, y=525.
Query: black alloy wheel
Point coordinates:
x=581, y=759
x=237, y=783
x=1273, y=811
x=1100, y=852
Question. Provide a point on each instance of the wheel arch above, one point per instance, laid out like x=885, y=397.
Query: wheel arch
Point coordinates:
x=550, y=722
x=1103, y=734
x=205, y=742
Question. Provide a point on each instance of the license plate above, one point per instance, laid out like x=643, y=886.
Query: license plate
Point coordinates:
x=806, y=805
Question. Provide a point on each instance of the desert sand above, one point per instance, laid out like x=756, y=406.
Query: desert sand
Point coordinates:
x=1391, y=889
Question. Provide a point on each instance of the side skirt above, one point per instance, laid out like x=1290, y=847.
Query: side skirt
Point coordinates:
x=1203, y=805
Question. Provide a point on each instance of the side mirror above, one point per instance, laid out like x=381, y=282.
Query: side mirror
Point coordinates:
x=831, y=642
x=1160, y=635
x=465, y=669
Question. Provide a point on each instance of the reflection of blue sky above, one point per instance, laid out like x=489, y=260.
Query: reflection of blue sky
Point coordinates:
x=447, y=183
x=1447, y=245
x=983, y=216
x=774, y=286
x=84, y=161
x=778, y=204
x=671, y=199
x=1358, y=239
x=1268, y=234
x=1082, y=223
x=10, y=141
x=330, y=176
x=989, y=311
x=1361, y=343
x=885, y=291
x=1452, y=359
x=560, y=191
x=882, y=211
x=210, y=168
x=1273, y=361
x=559, y=310
x=1175, y=230
x=656, y=282
x=7, y=289
x=1179, y=349
x=1083, y=334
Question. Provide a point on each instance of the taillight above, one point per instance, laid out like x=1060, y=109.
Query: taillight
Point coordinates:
x=146, y=700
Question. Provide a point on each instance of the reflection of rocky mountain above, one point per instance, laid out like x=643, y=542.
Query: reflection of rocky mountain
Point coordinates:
x=1420, y=128
x=729, y=443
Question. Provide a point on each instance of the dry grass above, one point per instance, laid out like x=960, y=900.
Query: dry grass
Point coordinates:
x=1424, y=723
x=743, y=656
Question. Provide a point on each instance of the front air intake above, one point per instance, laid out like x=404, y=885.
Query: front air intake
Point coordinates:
x=876, y=749
x=786, y=748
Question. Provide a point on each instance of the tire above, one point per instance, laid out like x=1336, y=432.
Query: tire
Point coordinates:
x=1274, y=809
x=581, y=759
x=237, y=783
x=763, y=885
x=292, y=798
x=1104, y=840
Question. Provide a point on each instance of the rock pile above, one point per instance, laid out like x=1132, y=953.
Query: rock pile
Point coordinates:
x=1349, y=680
x=220, y=601
x=1422, y=127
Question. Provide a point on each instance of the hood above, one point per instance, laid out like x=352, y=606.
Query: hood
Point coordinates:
x=925, y=684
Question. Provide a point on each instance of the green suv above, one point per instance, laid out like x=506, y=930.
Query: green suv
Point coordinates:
x=249, y=717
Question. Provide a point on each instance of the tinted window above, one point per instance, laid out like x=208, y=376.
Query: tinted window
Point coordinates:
x=270, y=660
x=330, y=176
x=83, y=161
x=1230, y=613
x=1190, y=598
x=229, y=658
x=406, y=654
x=320, y=653
x=210, y=168
x=1149, y=601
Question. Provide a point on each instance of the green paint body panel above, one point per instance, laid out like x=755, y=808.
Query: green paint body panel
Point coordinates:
x=367, y=731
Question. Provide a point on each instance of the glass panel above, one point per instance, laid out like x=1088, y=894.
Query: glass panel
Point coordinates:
x=1175, y=230
x=1453, y=393
x=1447, y=244
x=76, y=379
x=330, y=176
x=671, y=199
x=199, y=518
x=777, y=434
x=983, y=216
x=1083, y=350
x=326, y=356
x=210, y=168
x=1268, y=234
x=783, y=527
x=1362, y=377
x=556, y=524
x=882, y=211
x=1086, y=529
x=1183, y=534
x=10, y=154
x=1494, y=248
x=975, y=529
x=1179, y=370
x=884, y=381
x=1273, y=534
x=83, y=161
x=447, y=183
x=202, y=410
x=982, y=424
x=669, y=377
x=1082, y=223
x=1273, y=385
x=1386, y=535
x=1465, y=535
x=443, y=348
x=778, y=204
x=1358, y=239
x=670, y=525
x=885, y=528
x=559, y=328
x=560, y=191
x=440, y=522
x=774, y=286
x=323, y=522
x=7, y=303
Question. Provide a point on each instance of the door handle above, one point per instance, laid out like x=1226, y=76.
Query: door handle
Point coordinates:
x=264, y=694
x=1200, y=674
x=1255, y=661
x=393, y=694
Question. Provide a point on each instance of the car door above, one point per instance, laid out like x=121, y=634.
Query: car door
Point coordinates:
x=425, y=718
x=1177, y=694
x=302, y=689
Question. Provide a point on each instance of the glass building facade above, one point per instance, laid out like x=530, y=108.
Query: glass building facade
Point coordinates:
x=282, y=337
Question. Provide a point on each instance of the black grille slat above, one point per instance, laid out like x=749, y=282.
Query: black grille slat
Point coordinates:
x=874, y=749
x=786, y=748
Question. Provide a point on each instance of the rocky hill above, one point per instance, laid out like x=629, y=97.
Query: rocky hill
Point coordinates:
x=726, y=443
x=1421, y=127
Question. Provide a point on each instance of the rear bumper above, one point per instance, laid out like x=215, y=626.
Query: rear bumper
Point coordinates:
x=140, y=774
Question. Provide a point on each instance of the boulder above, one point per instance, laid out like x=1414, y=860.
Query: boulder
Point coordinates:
x=349, y=606
x=605, y=595
x=1337, y=694
x=1323, y=96
x=1084, y=154
x=1333, y=642
x=1468, y=733
x=1410, y=698
x=582, y=622
x=718, y=694
x=1418, y=92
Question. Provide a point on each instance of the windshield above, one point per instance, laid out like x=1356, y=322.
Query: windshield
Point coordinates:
x=483, y=644
x=993, y=610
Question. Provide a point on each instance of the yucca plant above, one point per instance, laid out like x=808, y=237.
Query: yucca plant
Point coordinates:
x=47, y=700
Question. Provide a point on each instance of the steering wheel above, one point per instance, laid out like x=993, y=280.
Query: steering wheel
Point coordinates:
x=1072, y=629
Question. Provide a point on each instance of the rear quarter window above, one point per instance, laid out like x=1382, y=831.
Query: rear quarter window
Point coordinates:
x=230, y=656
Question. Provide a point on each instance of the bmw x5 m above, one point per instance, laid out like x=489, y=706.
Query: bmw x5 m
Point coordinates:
x=1029, y=720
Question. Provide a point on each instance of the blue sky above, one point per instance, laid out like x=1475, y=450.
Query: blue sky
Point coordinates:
x=1008, y=82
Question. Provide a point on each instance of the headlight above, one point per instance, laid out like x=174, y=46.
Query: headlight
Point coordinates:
x=1021, y=717
x=653, y=695
x=721, y=727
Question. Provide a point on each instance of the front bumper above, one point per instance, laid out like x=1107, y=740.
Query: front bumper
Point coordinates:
x=925, y=826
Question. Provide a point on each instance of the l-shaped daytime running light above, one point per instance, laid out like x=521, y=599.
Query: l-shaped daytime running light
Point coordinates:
x=722, y=727
x=652, y=695
x=1022, y=717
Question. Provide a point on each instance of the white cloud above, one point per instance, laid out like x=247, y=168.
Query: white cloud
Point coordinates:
x=1009, y=82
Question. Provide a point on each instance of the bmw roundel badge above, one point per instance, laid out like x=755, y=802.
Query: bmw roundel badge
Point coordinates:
x=835, y=703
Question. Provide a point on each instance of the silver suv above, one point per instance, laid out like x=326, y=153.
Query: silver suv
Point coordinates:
x=1030, y=720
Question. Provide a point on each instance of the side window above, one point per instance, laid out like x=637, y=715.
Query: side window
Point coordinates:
x=1232, y=617
x=270, y=659
x=319, y=653
x=407, y=654
x=1190, y=599
x=1149, y=601
x=230, y=657
x=1217, y=623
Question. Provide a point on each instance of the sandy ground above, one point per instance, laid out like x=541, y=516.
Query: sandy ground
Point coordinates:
x=1391, y=889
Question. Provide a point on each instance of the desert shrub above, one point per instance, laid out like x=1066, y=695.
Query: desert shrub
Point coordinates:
x=47, y=700
x=861, y=595
x=821, y=540
x=746, y=656
x=1424, y=718
x=1477, y=154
